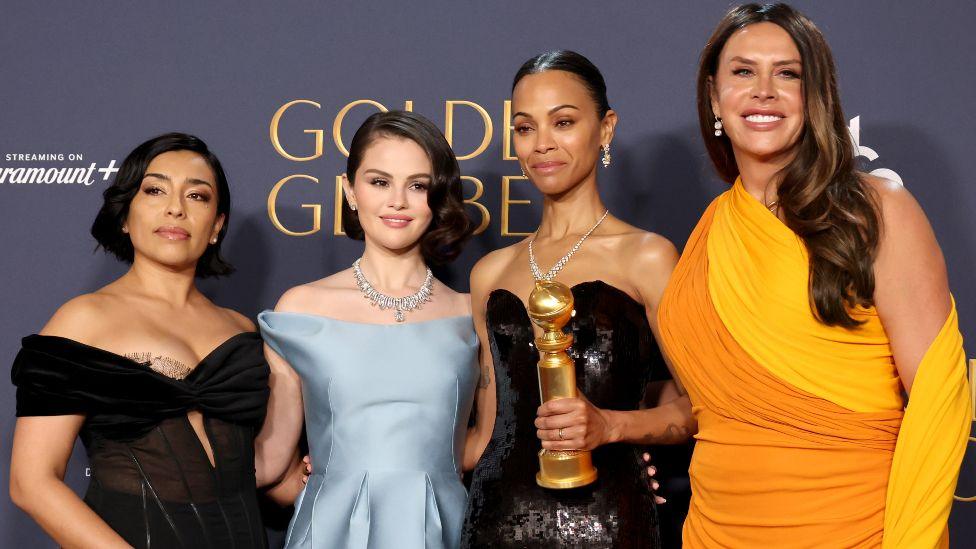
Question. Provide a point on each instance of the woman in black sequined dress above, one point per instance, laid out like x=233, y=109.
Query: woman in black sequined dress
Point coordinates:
x=563, y=128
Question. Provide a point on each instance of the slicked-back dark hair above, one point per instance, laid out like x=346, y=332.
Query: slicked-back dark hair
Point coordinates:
x=107, y=228
x=449, y=226
x=573, y=63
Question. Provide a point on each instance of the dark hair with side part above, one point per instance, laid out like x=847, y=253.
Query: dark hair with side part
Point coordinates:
x=821, y=193
x=107, y=228
x=573, y=63
x=450, y=226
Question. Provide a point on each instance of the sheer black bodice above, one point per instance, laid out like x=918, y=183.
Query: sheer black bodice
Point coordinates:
x=615, y=355
x=151, y=479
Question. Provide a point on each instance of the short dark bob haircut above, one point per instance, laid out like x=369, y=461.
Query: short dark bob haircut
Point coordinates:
x=107, y=228
x=450, y=225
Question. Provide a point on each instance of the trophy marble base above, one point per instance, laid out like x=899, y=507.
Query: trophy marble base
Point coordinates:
x=562, y=469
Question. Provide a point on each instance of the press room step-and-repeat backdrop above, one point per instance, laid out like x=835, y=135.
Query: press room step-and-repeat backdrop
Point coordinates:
x=277, y=91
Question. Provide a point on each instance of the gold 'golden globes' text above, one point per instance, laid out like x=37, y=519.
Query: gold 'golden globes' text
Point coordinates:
x=474, y=187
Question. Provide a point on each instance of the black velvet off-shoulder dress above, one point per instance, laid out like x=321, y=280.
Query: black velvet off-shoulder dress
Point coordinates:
x=151, y=479
x=615, y=355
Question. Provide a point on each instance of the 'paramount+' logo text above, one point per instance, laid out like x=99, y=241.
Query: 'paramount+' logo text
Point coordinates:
x=48, y=169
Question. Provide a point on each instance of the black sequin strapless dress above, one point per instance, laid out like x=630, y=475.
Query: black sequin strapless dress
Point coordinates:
x=151, y=480
x=615, y=355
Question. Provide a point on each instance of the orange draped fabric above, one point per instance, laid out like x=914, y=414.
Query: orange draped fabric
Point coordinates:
x=788, y=455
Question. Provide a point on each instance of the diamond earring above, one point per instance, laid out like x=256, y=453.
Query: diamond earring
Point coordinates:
x=718, y=126
x=606, y=155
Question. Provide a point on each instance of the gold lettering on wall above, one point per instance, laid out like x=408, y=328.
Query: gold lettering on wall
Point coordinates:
x=337, y=123
x=273, y=207
x=473, y=198
x=507, y=134
x=276, y=120
x=449, y=126
x=972, y=400
x=479, y=189
x=507, y=201
x=337, y=224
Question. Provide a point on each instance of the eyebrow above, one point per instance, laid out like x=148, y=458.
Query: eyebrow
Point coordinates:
x=192, y=180
x=384, y=174
x=745, y=61
x=552, y=110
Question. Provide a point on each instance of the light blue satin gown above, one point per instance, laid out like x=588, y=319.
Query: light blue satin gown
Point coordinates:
x=386, y=411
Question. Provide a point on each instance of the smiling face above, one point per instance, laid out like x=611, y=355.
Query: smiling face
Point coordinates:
x=389, y=192
x=757, y=91
x=558, y=132
x=173, y=217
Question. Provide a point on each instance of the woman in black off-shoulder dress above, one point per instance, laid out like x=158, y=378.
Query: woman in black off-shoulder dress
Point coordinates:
x=151, y=479
x=166, y=390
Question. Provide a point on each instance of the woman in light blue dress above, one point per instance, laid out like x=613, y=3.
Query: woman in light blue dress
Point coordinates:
x=380, y=359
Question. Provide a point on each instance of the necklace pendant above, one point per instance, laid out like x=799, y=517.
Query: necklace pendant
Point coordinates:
x=398, y=315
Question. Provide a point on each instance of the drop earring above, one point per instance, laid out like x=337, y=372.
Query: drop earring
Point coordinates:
x=606, y=155
x=718, y=127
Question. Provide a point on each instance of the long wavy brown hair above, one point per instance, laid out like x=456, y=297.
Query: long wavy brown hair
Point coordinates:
x=821, y=194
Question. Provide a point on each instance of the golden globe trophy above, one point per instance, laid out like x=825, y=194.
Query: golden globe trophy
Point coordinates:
x=551, y=308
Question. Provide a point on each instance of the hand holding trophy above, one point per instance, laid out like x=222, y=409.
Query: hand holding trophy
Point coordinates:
x=551, y=307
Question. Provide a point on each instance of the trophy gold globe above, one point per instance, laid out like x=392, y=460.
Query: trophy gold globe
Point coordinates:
x=551, y=307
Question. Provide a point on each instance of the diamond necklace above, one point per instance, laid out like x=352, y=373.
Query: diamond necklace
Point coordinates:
x=551, y=273
x=399, y=305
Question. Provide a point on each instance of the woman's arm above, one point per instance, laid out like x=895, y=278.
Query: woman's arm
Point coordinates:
x=482, y=278
x=41, y=448
x=913, y=302
x=584, y=426
x=276, y=443
x=911, y=285
x=291, y=484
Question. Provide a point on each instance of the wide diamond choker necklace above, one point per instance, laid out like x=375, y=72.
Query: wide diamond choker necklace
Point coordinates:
x=399, y=305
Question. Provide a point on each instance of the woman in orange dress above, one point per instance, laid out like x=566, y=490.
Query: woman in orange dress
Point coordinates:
x=809, y=299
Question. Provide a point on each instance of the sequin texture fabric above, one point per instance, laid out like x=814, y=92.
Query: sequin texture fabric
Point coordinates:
x=615, y=355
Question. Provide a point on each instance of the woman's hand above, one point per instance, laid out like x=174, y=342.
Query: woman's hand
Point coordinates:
x=573, y=424
x=652, y=483
x=307, y=471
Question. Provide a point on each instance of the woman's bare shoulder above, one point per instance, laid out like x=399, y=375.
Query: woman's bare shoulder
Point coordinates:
x=83, y=317
x=494, y=264
x=458, y=303
x=310, y=296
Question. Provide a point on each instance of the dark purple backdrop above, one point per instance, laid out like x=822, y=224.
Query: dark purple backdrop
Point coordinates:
x=95, y=80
